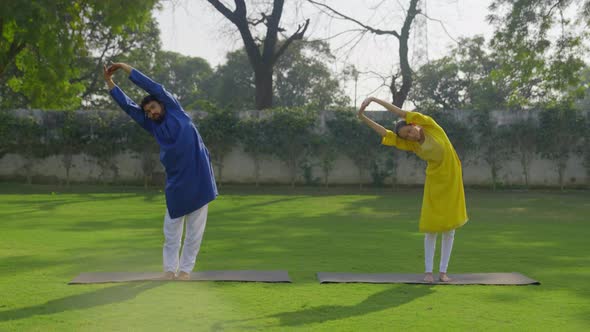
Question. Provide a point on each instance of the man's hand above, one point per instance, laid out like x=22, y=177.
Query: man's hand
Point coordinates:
x=119, y=65
x=108, y=77
x=364, y=105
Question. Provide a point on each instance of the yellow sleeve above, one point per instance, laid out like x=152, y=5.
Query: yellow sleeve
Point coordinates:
x=391, y=139
x=419, y=119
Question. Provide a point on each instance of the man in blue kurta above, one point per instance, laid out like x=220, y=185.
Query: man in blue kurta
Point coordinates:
x=190, y=183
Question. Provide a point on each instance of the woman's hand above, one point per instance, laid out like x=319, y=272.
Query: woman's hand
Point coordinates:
x=364, y=105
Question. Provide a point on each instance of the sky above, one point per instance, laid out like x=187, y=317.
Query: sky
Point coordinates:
x=195, y=28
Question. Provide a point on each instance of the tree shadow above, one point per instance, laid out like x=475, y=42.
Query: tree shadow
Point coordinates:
x=387, y=299
x=384, y=300
x=100, y=297
x=51, y=204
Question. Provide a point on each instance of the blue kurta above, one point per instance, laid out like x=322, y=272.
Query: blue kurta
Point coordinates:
x=190, y=183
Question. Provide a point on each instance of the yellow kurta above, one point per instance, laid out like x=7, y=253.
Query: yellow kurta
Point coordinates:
x=443, y=204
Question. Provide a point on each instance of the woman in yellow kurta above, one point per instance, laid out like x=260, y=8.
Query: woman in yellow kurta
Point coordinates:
x=443, y=204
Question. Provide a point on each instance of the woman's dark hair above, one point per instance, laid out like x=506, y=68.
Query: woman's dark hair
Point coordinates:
x=399, y=124
x=148, y=99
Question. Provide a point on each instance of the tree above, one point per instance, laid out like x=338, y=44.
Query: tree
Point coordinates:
x=145, y=146
x=138, y=45
x=522, y=135
x=290, y=130
x=6, y=133
x=232, y=84
x=219, y=130
x=355, y=140
x=262, y=54
x=438, y=86
x=185, y=76
x=107, y=134
x=324, y=148
x=536, y=67
x=558, y=136
x=72, y=138
x=301, y=75
x=39, y=40
x=584, y=101
x=30, y=141
x=492, y=143
x=255, y=136
x=399, y=90
x=303, y=78
x=462, y=80
x=585, y=148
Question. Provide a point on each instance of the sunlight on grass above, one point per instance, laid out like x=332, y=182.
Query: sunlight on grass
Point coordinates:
x=47, y=239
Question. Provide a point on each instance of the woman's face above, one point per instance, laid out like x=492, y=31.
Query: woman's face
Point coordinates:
x=410, y=132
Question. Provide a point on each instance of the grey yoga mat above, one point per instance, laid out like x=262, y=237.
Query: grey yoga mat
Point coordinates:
x=511, y=278
x=249, y=275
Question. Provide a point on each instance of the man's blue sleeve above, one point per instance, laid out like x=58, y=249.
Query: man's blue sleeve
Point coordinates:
x=131, y=108
x=154, y=88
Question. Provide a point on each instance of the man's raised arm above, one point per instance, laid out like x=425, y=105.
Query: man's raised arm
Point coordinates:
x=128, y=105
x=146, y=83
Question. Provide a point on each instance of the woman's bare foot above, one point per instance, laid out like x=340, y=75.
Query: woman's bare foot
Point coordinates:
x=428, y=277
x=444, y=277
x=169, y=275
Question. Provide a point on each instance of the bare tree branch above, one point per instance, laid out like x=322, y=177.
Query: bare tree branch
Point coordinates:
x=348, y=18
x=442, y=24
x=270, y=40
x=256, y=22
x=557, y=4
x=224, y=10
x=339, y=34
x=298, y=35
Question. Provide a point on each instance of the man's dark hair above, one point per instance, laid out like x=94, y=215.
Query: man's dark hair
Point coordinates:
x=399, y=125
x=148, y=99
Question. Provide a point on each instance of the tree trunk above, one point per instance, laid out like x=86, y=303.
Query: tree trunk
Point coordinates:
x=525, y=170
x=560, y=173
x=219, y=172
x=400, y=94
x=360, y=178
x=256, y=169
x=264, y=84
x=293, y=171
x=494, y=175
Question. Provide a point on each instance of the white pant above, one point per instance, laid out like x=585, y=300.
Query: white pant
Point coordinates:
x=195, y=227
x=446, y=248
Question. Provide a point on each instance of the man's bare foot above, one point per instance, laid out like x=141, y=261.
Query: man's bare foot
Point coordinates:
x=169, y=275
x=428, y=277
x=183, y=276
x=444, y=277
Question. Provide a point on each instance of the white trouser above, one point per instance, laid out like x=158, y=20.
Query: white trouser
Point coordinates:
x=195, y=227
x=446, y=248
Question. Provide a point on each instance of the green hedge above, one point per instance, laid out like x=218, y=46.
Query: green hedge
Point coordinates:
x=300, y=138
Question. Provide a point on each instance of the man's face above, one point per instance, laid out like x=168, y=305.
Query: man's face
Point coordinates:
x=154, y=110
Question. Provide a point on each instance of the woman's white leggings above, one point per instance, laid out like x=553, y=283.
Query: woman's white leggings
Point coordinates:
x=446, y=248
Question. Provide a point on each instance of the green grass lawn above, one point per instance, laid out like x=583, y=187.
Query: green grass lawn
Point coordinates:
x=48, y=235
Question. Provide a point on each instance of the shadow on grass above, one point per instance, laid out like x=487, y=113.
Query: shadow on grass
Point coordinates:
x=387, y=299
x=383, y=300
x=100, y=297
x=31, y=206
